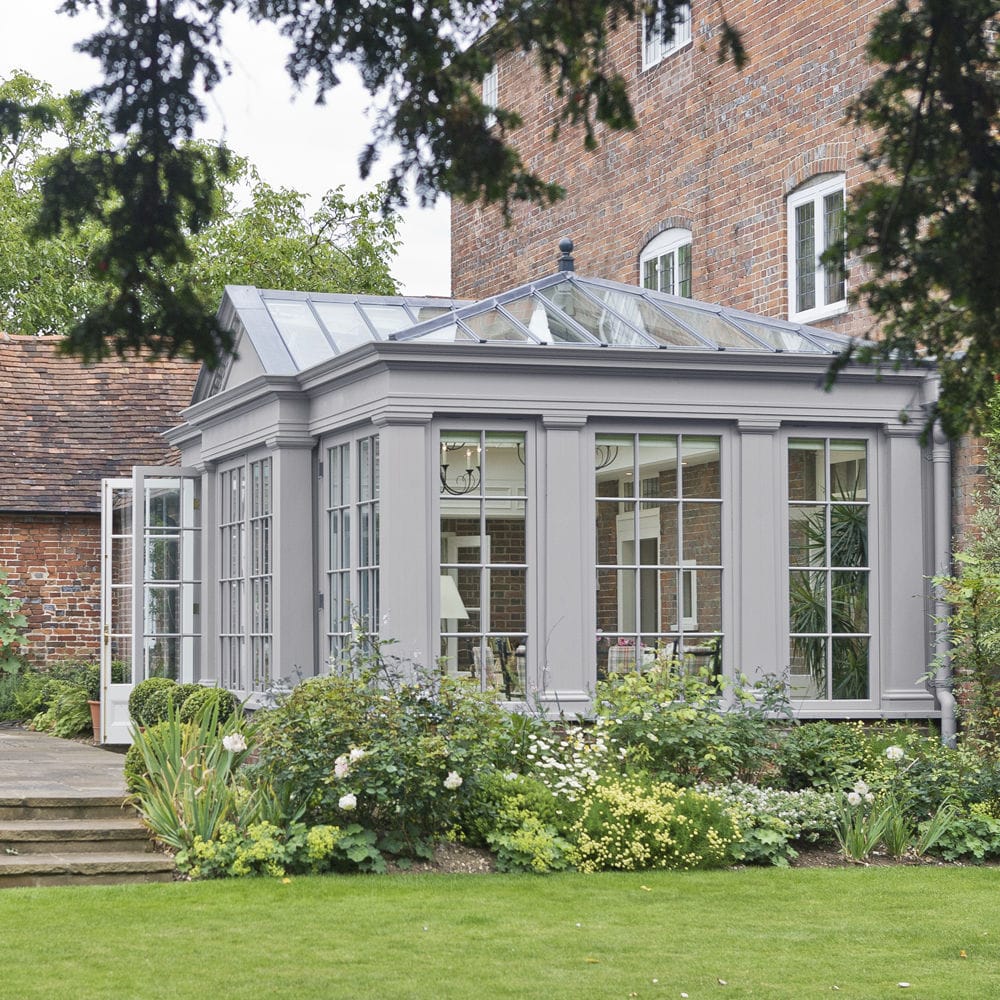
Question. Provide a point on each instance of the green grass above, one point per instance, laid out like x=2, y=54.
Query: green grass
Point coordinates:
x=765, y=932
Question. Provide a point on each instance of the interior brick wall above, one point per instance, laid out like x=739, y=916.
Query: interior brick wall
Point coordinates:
x=717, y=151
x=53, y=564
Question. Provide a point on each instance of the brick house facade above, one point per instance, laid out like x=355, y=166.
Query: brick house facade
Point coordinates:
x=717, y=154
x=67, y=426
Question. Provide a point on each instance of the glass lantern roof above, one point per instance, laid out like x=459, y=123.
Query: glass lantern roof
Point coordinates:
x=294, y=331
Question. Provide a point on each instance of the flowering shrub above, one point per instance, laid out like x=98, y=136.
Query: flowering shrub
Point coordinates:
x=685, y=727
x=397, y=754
x=570, y=763
x=634, y=823
x=773, y=821
x=186, y=787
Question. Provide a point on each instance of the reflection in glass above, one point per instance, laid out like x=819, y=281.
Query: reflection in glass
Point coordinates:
x=806, y=470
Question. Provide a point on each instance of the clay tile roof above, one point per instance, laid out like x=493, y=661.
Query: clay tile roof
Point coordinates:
x=65, y=425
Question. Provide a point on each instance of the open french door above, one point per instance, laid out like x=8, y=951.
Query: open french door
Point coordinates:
x=150, y=586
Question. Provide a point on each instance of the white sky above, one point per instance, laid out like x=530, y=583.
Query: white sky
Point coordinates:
x=293, y=142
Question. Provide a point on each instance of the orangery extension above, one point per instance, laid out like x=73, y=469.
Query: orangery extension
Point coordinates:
x=536, y=490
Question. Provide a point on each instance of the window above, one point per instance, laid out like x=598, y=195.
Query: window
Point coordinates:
x=660, y=38
x=659, y=549
x=828, y=569
x=352, y=517
x=483, y=566
x=665, y=263
x=491, y=83
x=815, y=223
x=245, y=580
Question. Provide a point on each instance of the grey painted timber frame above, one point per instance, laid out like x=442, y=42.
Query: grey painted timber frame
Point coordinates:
x=407, y=389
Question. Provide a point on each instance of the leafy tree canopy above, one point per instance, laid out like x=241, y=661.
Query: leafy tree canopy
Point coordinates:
x=253, y=234
x=928, y=222
x=146, y=193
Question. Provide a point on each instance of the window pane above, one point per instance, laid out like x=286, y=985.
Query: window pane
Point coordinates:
x=614, y=459
x=703, y=533
x=684, y=271
x=505, y=530
x=504, y=464
x=649, y=275
x=850, y=667
x=807, y=602
x=607, y=531
x=833, y=276
x=508, y=598
x=848, y=470
x=658, y=465
x=807, y=536
x=849, y=535
x=805, y=257
x=849, y=602
x=807, y=676
x=701, y=468
x=616, y=604
x=806, y=470
x=461, y=463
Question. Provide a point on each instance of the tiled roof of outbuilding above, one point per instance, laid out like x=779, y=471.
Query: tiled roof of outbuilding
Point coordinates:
x=65, y=425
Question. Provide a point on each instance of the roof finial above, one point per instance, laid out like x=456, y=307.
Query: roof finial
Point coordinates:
x=566, y=251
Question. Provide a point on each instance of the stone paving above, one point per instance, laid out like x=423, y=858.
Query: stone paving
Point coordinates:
x=34, y=765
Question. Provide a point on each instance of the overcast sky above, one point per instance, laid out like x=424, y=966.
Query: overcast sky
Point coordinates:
x=293, y=142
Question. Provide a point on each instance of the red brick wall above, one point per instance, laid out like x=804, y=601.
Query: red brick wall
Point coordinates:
x=53, y=564
x=717, y=151
x=968, y=481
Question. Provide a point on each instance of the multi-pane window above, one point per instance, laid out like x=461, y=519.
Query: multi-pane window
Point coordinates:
x=352, y=516
x=259, y=576
x=232, y=535
x=491, y=86
x=815, y=224
x=828, y=568
x=658, y=500
x=484, y=564
x=245, y=576
x=665, y=263
x=661, y=37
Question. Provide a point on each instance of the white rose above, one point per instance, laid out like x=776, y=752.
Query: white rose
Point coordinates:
x=853, y=799
x=357, y=754
x=341, y=766
x=894, y=753
x=453, y=781
x=234, y=742
x=348, y=802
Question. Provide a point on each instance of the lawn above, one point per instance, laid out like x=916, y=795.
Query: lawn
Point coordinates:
x=855, y=933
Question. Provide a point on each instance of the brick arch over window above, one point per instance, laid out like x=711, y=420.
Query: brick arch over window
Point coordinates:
x=828, y=158
x=670, y=222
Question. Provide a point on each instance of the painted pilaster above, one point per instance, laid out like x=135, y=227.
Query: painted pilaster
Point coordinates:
x=758, y=637
x=566, y=563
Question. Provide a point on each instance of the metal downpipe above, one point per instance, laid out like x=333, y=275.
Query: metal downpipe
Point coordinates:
x=942, y=682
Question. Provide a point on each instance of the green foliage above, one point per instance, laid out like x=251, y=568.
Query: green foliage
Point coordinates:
x=66, y=713
x=822, y=755
x=397, y=753
x=635, y=823
x=145, y=193
x=261, y=849
x=772, y=822
x=150, y=700
x=675, y=725
x=518, y=818
x=232, y=228
x=186, y=788
x=13, y=625
x=971, y=837
x=927, y=225
x=199, y=697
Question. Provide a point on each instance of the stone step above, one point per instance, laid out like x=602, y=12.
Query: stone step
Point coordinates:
x=42, y=836
x=64, y=807
x=67, y=868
